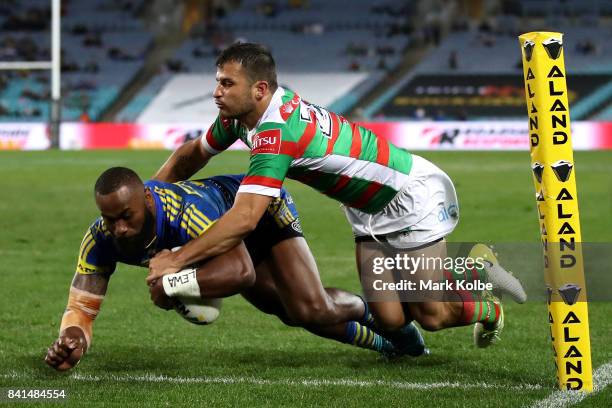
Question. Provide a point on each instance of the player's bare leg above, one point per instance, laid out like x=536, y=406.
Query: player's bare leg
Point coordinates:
x=265, y=296
x=435, y=311
x=467, y=307
x=226, y=274
x=442, y=310
x=389, y=315
x=299, y=286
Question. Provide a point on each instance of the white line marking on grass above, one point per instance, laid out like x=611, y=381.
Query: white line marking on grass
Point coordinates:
x=307, y=382
x=602, y=377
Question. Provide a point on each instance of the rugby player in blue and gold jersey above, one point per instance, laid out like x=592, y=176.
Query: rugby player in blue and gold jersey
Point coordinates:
x=272, y=268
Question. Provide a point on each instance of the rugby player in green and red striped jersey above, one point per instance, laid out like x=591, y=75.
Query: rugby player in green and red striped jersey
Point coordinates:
x=388, y=194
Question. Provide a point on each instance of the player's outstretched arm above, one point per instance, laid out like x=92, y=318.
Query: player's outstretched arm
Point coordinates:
x=84, y=301
x=184, y=162
x=222, y=276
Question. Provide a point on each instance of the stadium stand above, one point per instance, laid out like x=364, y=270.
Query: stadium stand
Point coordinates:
x=102, y=48
x=605, y=114
x=370, y=39
x=108, y=72
x=489, y=49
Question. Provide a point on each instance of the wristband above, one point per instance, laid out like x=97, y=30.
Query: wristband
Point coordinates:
x=183, y=283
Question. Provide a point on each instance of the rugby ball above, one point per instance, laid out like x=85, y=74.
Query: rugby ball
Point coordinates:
x=198, y=311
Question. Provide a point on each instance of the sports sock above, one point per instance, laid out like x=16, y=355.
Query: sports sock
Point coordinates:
x=364, y=337
x=367, y=319
x=484, y=310
x=476, y=307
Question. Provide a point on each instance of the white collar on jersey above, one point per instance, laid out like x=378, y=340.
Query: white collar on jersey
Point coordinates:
x=272, y=113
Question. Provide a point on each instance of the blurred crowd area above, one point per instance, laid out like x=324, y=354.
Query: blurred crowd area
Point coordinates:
x=117, y=55
x=103, y=44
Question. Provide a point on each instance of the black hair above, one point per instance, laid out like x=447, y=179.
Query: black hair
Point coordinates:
x=114, y=178
x=254, y=58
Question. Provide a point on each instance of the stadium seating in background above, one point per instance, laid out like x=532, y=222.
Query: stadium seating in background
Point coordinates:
x=103, y=45
x=476, y=72
x=318, y=37
x=605, y=114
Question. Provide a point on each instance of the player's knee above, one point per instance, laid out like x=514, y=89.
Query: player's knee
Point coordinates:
x=431, y=323
x=310, y=313
x=390, y=322
x=245, y=278
x=431, y=316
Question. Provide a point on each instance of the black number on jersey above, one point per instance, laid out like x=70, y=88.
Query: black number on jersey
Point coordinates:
x=322, y=117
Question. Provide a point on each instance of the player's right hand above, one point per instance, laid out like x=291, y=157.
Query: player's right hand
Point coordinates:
x=159, y=297
x=67, y=350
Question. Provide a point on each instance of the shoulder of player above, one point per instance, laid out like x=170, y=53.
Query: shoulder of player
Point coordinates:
x=152, y=184
x=288, y=104
x=198, y=215
x=186, y=198
x=98, y=230
x=97, y=242
x=164, y=190
x=283, y=106
x=289, y=130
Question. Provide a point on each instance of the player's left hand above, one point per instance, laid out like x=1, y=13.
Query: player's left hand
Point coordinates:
x=163, y=263
x=159, y=297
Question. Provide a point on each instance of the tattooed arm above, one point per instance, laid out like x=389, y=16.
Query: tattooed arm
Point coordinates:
x=184, y=162
x=76, y=330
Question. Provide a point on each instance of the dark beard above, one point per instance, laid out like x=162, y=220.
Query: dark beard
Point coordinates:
x=242, y=112
x=136, y=247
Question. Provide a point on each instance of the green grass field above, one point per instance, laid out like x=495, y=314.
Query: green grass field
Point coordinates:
x=145, y=356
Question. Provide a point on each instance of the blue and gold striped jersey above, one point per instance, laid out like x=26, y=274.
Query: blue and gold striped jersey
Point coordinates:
x=184, y=211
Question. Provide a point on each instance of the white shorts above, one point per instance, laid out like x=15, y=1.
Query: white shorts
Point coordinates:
x=424, y=210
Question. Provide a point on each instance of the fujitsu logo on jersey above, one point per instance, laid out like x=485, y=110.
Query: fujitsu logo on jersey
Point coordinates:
x=268, y=141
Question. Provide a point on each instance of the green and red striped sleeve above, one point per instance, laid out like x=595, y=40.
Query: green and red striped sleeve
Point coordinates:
x=271, y=155
x=221, y=135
